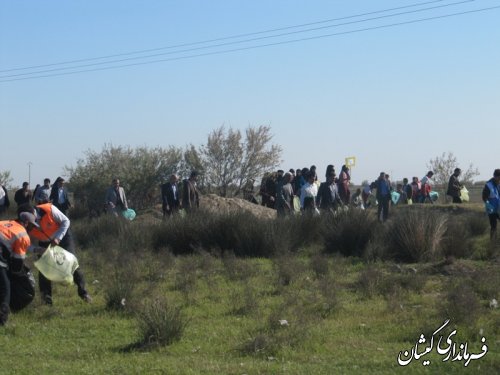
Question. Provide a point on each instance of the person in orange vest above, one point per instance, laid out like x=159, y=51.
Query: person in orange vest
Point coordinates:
x=51, y=227
x=14, y=243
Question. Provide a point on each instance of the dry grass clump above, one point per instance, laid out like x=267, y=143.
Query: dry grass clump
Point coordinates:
x=349, y=232
x=415, y=236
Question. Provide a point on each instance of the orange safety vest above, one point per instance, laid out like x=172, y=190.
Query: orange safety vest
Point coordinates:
x=47, y=224
x=15, y=238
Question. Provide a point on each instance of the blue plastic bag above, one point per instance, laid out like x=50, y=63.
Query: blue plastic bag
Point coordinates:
x=129, y=214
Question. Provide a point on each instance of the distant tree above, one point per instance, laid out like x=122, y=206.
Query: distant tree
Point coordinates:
x=444, y=165
x=229, y=161
x=5, y=179
x=140, y=170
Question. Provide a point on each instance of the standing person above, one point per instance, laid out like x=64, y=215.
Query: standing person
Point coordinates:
x=42, y=194
x=47, y=224
x=308, y=195
x=491, y=198
x=115, y=200
x=190, y=194
x=415, y=187
x=170, y=196
x=426, y=187
x=59, y=195
x=366, y=193
x=343, y=185
x=297, y=185
x=383, y=196
x=407, y=189
x=14, y=243
x=454, y=186
x=23, y=195
x=284, y=196
x=4, y=199
x=328, y=198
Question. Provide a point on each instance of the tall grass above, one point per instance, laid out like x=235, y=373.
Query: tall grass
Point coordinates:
x=415, y=235
x=349, y=232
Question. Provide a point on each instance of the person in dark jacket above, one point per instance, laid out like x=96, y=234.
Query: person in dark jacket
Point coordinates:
x=23, y=195
x=328, y=198
x=59, y=195
x=454, y=186
x=383, y=186
x=190, y=194
x=170, y=196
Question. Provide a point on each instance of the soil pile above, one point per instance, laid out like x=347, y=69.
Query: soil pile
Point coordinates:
x=214, y=203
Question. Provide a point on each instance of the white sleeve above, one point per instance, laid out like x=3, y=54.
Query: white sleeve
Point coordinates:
x=63, y=222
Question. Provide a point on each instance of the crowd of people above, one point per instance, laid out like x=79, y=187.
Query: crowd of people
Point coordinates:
x=300, y=191
x=42, y=215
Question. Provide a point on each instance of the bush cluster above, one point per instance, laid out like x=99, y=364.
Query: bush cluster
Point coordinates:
x=411, y=235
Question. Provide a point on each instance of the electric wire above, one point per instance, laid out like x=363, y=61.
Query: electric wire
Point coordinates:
x=229, y=43
x=262, y=45
x=222, y=38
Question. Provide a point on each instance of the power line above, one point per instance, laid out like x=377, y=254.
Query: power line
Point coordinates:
x=262, y=45
x=222, y=38
x=231, y=43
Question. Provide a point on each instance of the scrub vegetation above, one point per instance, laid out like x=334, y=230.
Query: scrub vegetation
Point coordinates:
x=233, y=294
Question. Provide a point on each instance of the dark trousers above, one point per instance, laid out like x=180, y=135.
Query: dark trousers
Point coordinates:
x=4, y=287
x=457, y=200
x=493, y=223
x=46, y=285
x=383, y=207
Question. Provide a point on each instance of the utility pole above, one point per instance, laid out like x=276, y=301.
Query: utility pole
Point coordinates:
x=29, y=173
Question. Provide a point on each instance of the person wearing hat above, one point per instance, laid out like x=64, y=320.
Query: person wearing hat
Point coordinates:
x=14, y=244
x=59, y=195
x=47, y=224
x=491, y=199
x=454, y=186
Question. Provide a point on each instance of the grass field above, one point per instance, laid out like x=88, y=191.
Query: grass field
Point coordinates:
x=300, y=312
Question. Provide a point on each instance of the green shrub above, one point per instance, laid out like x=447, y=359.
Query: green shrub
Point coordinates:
x=241, y=233
x=160, y=323
x=461, y=304
x=457, y=239
x=477, y=223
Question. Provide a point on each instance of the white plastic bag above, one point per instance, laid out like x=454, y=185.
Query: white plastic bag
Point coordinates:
x=464, y=194
x=57, y=264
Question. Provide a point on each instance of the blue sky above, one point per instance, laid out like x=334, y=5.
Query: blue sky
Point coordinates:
x=393, y=97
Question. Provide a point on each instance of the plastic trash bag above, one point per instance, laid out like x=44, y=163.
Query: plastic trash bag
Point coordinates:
x=57, y=264
x=490, y=209
x=22, y=289
x=395, y=197
x=434, y=195
x=464, y=194
x=296, y=204
x=129, y=214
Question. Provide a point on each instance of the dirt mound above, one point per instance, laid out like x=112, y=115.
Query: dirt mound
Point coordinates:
x=212, y=202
